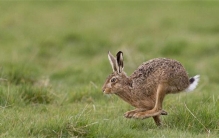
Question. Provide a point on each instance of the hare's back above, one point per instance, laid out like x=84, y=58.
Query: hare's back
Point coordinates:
x=162, y=69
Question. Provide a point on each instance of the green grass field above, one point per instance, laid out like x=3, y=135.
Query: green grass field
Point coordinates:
x=53, y=63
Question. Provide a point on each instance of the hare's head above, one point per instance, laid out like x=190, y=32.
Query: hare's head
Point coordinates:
x=118, y=80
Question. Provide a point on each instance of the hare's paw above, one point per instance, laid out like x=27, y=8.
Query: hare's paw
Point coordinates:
x=129, y=114
x=163, y=112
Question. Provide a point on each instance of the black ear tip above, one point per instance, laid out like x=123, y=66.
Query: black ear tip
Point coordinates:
x=120, y=52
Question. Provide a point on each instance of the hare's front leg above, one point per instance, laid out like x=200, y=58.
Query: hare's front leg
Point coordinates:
x=130, y=114
x=157, y=110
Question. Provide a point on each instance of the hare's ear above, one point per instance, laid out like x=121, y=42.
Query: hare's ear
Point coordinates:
x=113, y=62
x=119, y=58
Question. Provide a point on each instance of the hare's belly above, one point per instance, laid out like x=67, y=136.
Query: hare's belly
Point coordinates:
x=143, y=100
x=144, y=104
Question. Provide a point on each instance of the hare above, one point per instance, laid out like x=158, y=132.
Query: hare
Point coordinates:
x=147, y=86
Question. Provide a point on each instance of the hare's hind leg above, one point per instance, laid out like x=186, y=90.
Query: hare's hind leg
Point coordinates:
x=157, y=120
x=157, y=110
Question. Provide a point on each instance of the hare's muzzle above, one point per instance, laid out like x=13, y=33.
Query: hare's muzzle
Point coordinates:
x=103, y=89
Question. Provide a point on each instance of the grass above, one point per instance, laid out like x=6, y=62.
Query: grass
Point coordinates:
x=53, y=63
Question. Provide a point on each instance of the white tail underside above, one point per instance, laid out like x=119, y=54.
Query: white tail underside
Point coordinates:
x=193, y=85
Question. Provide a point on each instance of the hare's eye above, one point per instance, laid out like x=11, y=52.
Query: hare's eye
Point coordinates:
x=113, y=79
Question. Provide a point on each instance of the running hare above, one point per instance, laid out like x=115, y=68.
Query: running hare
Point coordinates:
x=146, y=88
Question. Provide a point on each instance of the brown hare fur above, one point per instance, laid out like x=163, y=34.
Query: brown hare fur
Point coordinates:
x=147, y=86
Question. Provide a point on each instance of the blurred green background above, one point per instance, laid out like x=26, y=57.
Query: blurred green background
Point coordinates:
x=53, y=59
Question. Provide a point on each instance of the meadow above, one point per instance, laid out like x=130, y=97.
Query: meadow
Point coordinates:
x=53, y=63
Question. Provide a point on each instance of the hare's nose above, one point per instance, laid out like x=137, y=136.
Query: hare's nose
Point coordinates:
x=103, y=90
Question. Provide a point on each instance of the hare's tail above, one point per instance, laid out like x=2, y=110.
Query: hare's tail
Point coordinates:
x=193, y=83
